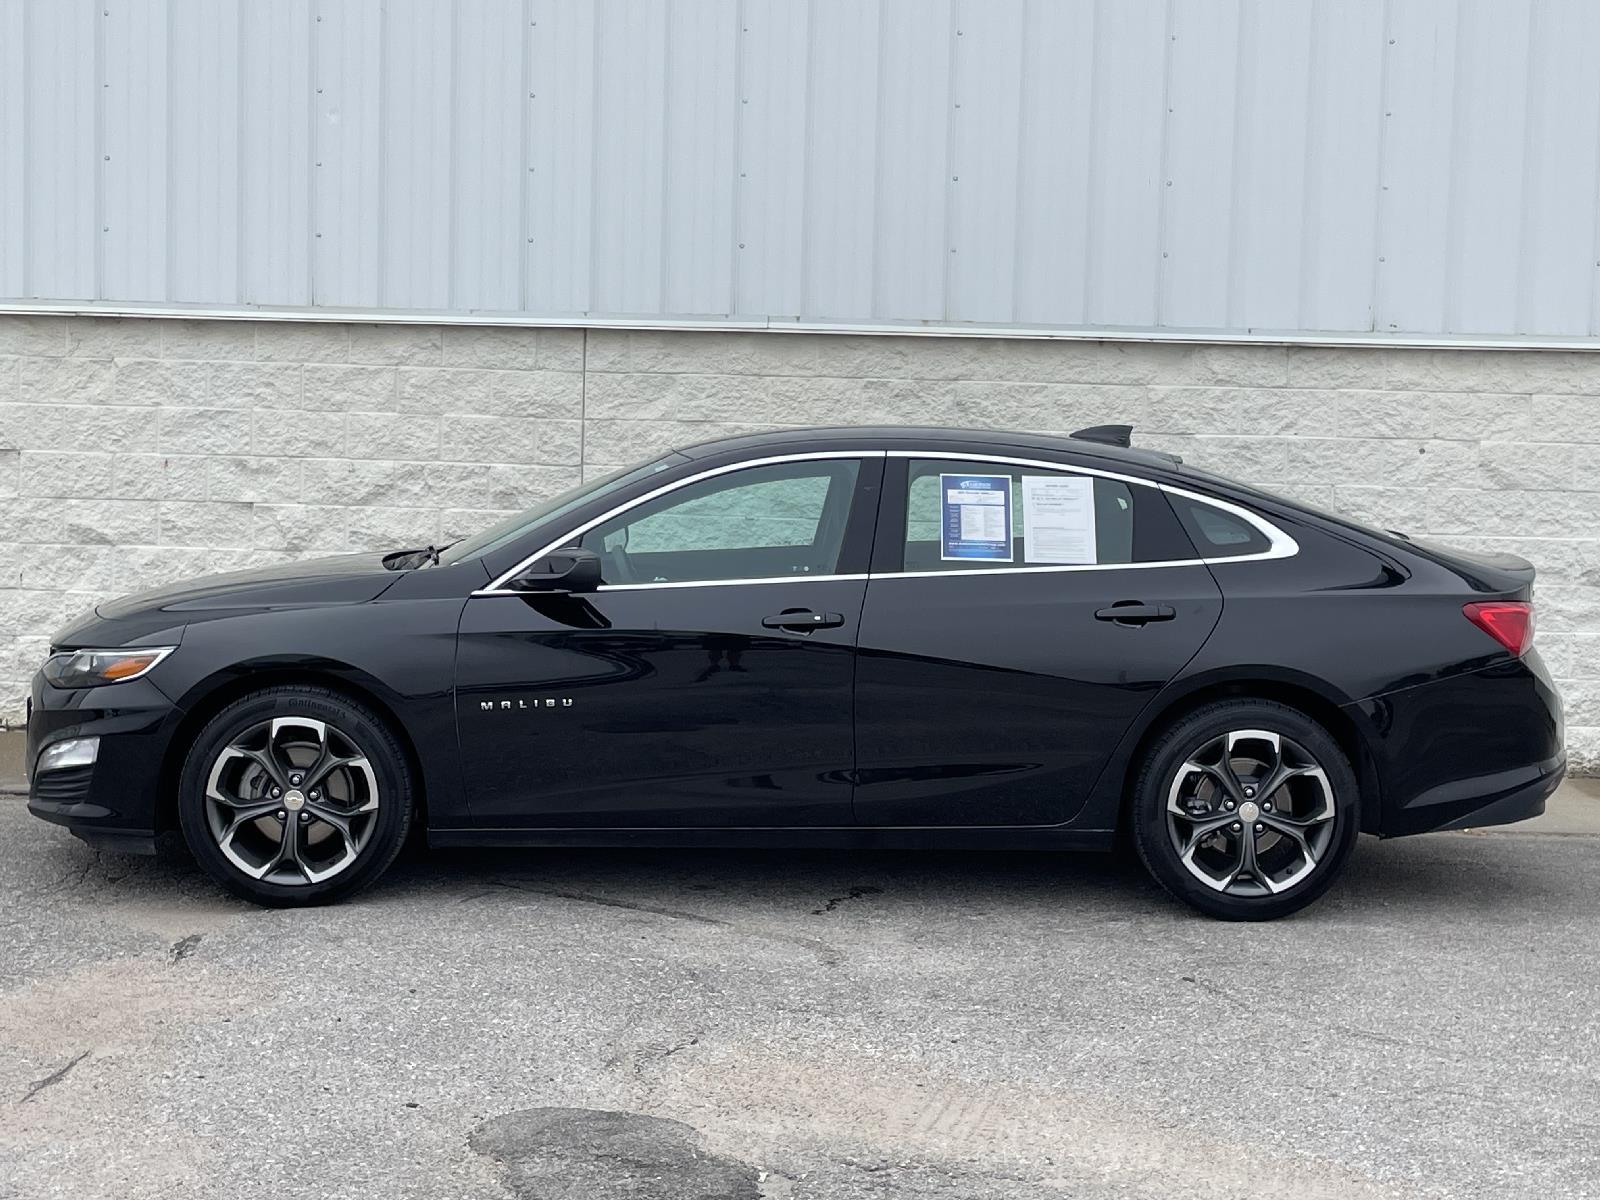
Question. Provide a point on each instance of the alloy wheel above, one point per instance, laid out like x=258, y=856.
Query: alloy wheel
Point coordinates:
x=1250, y=813
x=291, y=801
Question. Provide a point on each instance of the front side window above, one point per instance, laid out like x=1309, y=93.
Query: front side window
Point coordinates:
x=963, y=515
x=775, y=521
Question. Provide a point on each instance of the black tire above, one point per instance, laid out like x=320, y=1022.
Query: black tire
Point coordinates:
x=348, y=724
x=1157, y=838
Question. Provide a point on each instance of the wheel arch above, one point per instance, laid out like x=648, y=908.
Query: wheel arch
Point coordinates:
x=1305, y=695
x=209, y=698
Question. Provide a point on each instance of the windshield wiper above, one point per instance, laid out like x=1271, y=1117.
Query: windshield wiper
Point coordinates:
x=404, y=560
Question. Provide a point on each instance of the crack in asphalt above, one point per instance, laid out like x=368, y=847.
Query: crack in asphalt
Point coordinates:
x=829, y=956
x=183, y=948
x=55, y=1077
x=855, y=893
x=73, y=879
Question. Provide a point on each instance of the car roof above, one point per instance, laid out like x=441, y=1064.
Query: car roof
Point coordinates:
x=932, y=438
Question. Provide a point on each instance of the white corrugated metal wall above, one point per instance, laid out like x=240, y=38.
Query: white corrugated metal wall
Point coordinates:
x=1408, y=167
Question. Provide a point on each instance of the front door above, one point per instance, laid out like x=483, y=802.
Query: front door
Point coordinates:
x=995, y=675
x=706, y=683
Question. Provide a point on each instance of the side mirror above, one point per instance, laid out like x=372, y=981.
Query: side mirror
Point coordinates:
x=561, y=571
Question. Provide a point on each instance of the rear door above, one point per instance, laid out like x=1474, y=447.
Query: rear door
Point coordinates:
x=1019, y=617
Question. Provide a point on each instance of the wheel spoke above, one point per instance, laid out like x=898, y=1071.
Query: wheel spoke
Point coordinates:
x=1281, y=775
x=1222, y=774
x=244, y=813
x=338, y=820
x=1295, y=831
x=1249, y=864
x=266, y=760
x=1205, y=827
x=327, y=763
x=287, y=853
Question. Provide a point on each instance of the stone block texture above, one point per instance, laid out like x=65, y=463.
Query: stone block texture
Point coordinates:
x=137, y=451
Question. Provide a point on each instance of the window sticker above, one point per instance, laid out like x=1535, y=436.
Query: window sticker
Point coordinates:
x=977, y=517
x=1058, y=519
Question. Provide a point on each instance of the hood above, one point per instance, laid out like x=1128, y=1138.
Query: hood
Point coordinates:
x=342, y=579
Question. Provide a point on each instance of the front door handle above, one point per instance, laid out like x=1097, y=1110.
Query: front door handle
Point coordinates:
x=803, y=620
x=1131, y=612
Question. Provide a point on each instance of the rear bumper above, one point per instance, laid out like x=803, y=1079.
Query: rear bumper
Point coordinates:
x=1483, y=748
x=1517, y=803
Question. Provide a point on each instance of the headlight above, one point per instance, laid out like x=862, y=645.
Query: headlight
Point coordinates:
x=94, y=668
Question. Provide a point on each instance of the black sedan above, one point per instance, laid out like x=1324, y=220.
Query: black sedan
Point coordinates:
x=839, y=637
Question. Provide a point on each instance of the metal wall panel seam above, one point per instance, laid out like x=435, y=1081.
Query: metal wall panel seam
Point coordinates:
x=736, y=225
x=241, y=99
x=380, y=144
x=596, y=44
x=1519, y=315
x=664, y=244
x=524, y=163
x=26, y=270
x=952, y=102
x=1091, y=243
x=171, y=255
x=1015, y=307
x=1308, y=157
x=100, y=155
x=313, y=122
x=875, y=298
x=1163, y=212
x=1244, y=93
x=1594, y=299
x=454, y=131
x=806, y=166
x=1018, y=201
x=1448, y=281
x=1379, y=200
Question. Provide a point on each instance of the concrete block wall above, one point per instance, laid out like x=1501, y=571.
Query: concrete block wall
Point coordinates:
x=135, y=451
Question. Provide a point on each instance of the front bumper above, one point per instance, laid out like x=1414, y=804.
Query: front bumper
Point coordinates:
x=111, y=803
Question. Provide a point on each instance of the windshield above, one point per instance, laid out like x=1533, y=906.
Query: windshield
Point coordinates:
x=514, y=527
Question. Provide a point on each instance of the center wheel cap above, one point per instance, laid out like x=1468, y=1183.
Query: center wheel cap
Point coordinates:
x=294, y=800
x=1248, y=811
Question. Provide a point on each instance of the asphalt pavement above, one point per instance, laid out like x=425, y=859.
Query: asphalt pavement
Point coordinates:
x=733, y=1025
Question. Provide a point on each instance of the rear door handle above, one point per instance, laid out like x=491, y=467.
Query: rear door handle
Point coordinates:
x=1130, y=612
x=802, y=620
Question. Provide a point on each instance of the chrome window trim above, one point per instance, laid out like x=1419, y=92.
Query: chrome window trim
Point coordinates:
x=689, y=583
x=497, y=586
x=1281, y=545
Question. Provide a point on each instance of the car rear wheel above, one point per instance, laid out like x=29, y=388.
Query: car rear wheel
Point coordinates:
x=1245, y=809
x=295, y=795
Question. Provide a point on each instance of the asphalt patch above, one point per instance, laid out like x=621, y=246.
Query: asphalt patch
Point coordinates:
x=593, y=1154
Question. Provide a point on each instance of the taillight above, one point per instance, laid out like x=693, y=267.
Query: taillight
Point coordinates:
x=1509, y=622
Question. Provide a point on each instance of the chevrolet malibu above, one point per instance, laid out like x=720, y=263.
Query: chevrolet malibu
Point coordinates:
x=830, y=637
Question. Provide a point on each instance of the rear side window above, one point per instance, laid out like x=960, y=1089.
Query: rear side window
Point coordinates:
x=1217, y=533
x=963, y=516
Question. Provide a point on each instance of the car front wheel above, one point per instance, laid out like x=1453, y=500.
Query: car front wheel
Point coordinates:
x=1245, y=809
x=295, y=795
